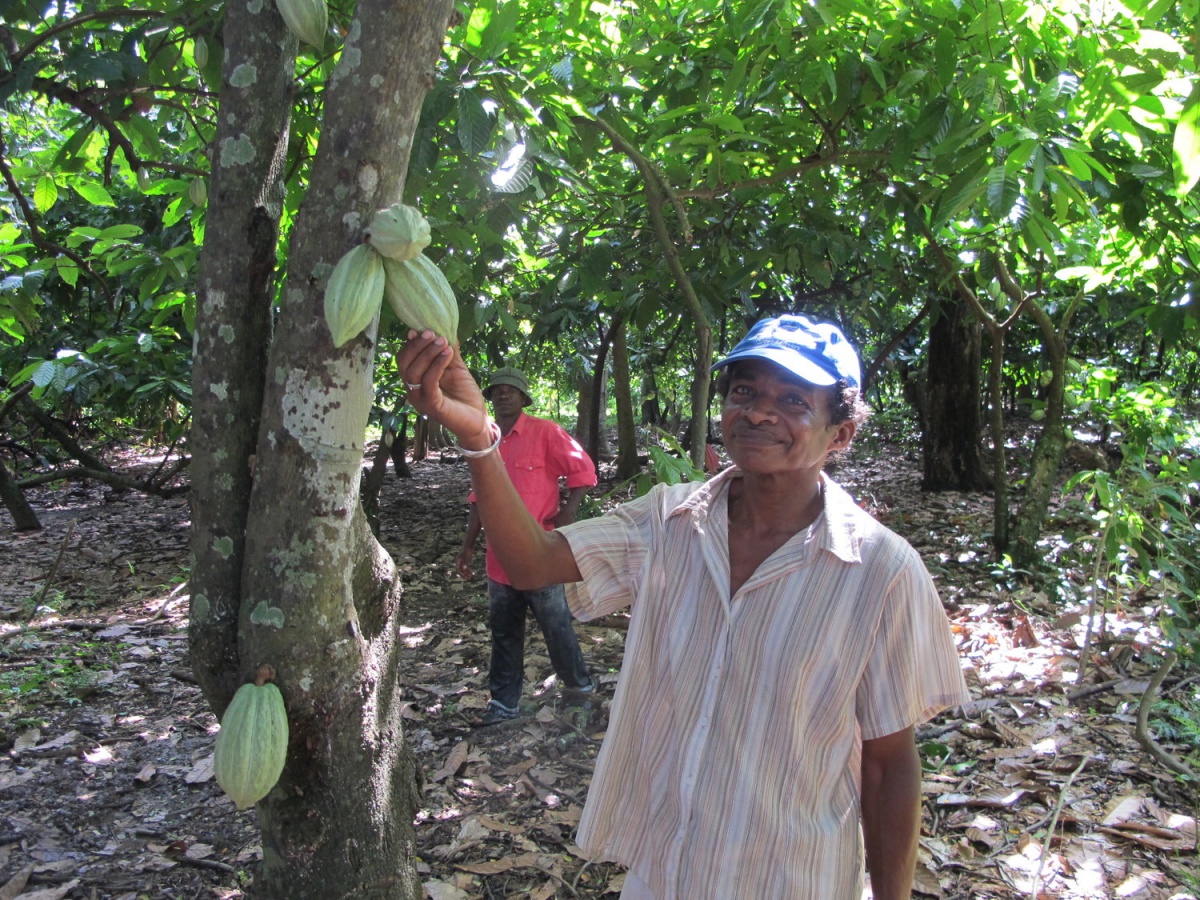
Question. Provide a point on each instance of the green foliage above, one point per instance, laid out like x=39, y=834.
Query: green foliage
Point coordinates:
x=1148, y=511
x=669, y=464
x=1179, y=722
x=62, y=678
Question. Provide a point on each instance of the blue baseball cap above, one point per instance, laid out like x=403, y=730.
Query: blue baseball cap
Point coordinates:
x=816, y=352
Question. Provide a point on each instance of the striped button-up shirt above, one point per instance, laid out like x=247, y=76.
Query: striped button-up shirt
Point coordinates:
x=731, y=765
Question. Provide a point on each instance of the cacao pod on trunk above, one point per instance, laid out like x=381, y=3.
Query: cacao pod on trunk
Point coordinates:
x=399, y=232
x=307, y=19
x=354, y=293
x=252, y=744
x=420, y=296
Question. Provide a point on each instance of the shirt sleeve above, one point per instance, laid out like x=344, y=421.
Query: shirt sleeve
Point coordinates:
x=568, y=459
x=913, y=672
x=611, y=552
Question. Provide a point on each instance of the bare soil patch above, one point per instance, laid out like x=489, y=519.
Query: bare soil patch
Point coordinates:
x=106, y=786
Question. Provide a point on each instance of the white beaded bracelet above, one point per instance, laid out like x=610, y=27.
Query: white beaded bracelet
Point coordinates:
x=494, y=429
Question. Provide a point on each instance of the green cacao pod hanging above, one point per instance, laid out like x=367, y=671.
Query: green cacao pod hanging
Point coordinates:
x=198, y=192
x=200, y=51
x=420, y=296
x=307, y=19
x=354, y=293
x=252, y=743
x=399, y=232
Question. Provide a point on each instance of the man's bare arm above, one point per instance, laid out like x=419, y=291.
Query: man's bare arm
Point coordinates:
x=891, y=812
x=448, y=394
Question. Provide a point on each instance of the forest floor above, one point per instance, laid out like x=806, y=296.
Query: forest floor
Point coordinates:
x=1039, y=789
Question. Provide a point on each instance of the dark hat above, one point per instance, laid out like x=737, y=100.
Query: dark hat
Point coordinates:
x=816, y=352
x=512, y=377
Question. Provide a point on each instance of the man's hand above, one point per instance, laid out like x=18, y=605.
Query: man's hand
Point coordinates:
x=441, y=387
x=462, y=564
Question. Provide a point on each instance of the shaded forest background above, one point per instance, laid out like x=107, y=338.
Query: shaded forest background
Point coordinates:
x=107, y=789
x=996, y=200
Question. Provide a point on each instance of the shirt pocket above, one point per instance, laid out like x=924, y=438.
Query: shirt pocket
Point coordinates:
x=527, y=465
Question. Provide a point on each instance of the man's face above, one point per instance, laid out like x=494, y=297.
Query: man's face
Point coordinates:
x=506, y=400
x=774, y=423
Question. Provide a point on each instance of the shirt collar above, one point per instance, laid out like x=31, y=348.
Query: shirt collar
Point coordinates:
x=516, y=426
x=839, y=530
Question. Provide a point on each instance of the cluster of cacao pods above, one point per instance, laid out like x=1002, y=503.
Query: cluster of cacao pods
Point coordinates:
x=307, y=19
x=252, y=744
x=390, y=264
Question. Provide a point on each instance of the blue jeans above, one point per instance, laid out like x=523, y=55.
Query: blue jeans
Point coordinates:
x=506, y=617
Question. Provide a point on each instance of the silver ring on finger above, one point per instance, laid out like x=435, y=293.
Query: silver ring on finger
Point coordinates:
x=412, y=387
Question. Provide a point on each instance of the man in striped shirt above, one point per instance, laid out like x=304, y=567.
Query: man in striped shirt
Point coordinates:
x=783, y=645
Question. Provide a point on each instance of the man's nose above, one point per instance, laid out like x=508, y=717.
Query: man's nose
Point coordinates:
x=761, y=409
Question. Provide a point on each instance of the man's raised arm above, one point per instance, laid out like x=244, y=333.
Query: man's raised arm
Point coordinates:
x=441, y=387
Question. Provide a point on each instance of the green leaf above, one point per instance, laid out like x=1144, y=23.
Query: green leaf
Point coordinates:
x=963, y=190
x=481, y=15
x=121, y=232
x=68, y=270
x=475, y=123
x=1002, y=191
x=1186, y=145
x=94, y=194
x=43, y=375
x=45, y=194
x=500, y=30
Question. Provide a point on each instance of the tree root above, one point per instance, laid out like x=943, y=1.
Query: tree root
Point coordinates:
x=1143, y=732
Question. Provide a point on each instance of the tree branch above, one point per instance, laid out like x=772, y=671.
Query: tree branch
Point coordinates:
x=103, y=15
x=114, y=479
x=656, y=193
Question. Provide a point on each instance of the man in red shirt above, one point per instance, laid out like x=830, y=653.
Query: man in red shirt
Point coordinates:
x=536, y=453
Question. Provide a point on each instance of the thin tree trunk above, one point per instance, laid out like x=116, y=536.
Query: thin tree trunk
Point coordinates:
x=627, y=462
x=999, y=458
x=24, y=518
x=400, y=448
x=234, y=292
x=1051, y=441
x=597, y=443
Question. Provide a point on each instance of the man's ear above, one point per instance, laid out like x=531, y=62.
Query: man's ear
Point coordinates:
x=842, y=436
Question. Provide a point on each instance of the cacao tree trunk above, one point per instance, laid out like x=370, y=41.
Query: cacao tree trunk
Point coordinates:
x=234, y=294
x=593, y=411
x=952, y=435
x=627, y=450
x=303, y=585
x=23, y=516
x=11, y=495
x=1050, y=445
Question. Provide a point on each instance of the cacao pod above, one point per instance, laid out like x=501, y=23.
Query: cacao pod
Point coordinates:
x=200, y=51
x=354, y=293
x=143, y=179
x=420, y=296
x=252, y=744
x=307, y=19
x=399, y=232
x=198, y=193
